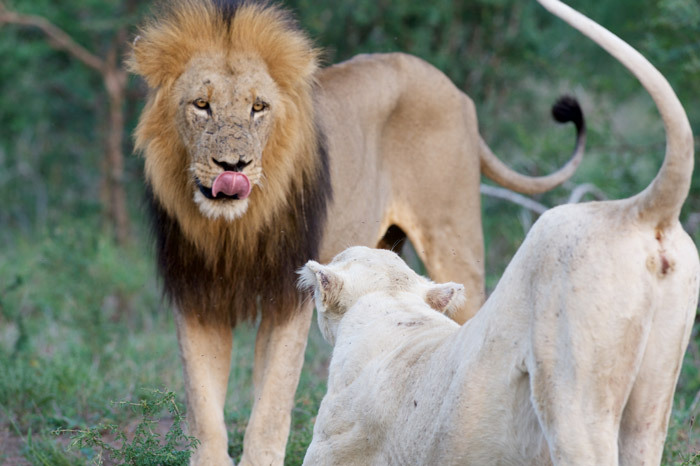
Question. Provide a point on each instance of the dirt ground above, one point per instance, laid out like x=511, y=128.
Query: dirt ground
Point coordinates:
x=11, y=449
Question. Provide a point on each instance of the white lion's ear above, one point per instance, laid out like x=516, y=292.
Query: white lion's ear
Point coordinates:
x=325, y=284
x=445, y=297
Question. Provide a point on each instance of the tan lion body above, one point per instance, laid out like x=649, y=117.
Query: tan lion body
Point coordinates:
x=309, y=162
x=573, y=359
x=387, y=166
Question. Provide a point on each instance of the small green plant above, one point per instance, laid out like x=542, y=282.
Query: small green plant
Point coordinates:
x=690, y=459
x=146, y=447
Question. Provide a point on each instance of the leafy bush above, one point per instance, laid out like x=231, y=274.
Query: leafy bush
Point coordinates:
x=145, y=448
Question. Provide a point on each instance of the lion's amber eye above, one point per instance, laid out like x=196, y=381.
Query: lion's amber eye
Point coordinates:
x=258, y=106
x=201, y=104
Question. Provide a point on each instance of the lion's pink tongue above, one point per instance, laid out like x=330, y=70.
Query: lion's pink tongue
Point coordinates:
x=231, y=184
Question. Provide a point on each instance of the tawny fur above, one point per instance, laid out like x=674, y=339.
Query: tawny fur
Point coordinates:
x=194, y=34
x=290, y=162
x=379, y=143
x=572, y=360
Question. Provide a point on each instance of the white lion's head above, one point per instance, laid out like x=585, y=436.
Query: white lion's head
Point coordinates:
x=359, y=271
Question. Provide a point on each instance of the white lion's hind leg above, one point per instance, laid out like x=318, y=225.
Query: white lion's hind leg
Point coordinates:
x=206, y=356
x=646, y=415
x=279, y=356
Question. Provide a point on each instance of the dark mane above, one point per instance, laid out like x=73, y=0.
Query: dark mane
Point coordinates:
x=228, y=8
x=258, y=278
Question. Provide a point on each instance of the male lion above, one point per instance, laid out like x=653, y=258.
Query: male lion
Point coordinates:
x=249, y=148
x=572, y=360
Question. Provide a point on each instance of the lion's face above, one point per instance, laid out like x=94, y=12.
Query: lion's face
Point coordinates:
x=228, y=129
x=225, y=111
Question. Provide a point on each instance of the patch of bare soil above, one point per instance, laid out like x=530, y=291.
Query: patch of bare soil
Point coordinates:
x=11, y=449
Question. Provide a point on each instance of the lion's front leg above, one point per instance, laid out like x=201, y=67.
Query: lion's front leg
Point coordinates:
x=206, y=356
x=279, y=356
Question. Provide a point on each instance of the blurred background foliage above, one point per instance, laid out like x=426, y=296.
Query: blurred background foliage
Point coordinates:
x=510, y=57
x=72, y=293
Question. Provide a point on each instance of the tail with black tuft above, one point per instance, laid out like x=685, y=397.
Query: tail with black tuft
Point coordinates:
x=566, y=109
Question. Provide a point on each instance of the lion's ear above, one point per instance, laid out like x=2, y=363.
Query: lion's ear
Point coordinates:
x=325, y=284
x=445, y=297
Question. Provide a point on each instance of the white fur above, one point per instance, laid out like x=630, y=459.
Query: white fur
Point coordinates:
x=572, y=360
x=563, y=365
x=337, y=289
x=229, y=210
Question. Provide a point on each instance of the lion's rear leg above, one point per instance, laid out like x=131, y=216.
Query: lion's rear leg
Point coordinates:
x=579, y=417
x=206, y=356
x=645, y=418
x=582, y=362
x=279, y=356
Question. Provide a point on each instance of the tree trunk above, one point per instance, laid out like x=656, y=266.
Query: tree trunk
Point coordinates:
x=115, y=83
x=112, y=191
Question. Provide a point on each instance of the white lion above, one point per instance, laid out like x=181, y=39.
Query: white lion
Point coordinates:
x=572, y=360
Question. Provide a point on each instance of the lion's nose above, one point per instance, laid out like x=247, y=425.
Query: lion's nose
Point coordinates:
x=231, y=167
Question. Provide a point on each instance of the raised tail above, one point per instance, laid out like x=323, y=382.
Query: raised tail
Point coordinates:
x=565, y=110
x=661, y=201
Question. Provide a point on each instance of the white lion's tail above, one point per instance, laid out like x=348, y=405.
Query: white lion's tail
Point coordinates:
x=661, y=201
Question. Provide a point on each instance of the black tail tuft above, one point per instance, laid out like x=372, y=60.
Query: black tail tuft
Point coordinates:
x=567, y=109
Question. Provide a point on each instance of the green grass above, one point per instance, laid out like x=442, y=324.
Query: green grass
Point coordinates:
x=82, y=328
